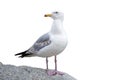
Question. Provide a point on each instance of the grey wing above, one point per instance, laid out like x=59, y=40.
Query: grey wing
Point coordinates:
x=42, y=42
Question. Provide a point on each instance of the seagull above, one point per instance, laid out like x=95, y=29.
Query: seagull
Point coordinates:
x=49, y=44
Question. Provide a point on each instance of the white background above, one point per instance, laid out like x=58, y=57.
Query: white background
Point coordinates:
x=92, y=26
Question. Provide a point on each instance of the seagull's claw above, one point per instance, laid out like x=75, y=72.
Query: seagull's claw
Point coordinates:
x=54, y=72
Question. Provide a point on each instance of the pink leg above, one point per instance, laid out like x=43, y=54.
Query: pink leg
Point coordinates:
x=55, y=63
x=54, y=72
x=46, y=63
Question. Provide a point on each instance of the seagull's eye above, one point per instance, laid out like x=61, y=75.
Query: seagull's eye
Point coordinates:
x=56, y=12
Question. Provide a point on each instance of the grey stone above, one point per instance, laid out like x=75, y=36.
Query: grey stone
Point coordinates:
x=1, y=64
x=11, y=72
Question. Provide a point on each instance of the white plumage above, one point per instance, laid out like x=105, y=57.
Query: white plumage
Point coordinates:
x=51, y=43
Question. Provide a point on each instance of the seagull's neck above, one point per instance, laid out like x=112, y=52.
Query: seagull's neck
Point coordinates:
x=57, y=27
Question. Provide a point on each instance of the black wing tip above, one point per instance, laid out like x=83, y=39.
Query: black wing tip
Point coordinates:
x=22, y=54
x=19, y=56
x=16, y=54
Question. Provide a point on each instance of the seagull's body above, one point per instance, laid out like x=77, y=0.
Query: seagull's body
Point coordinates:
x=56, y=46
x=51, y=43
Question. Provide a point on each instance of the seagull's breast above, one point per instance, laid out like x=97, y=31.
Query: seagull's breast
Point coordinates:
x=60, y=41
x=58, y=44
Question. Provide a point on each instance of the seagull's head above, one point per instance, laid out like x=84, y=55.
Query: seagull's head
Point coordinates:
x=55, y=15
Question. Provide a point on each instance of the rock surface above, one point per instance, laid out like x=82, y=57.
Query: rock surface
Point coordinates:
x=10, y=72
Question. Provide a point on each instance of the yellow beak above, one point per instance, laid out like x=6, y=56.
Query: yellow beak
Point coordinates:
x=47, y=15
